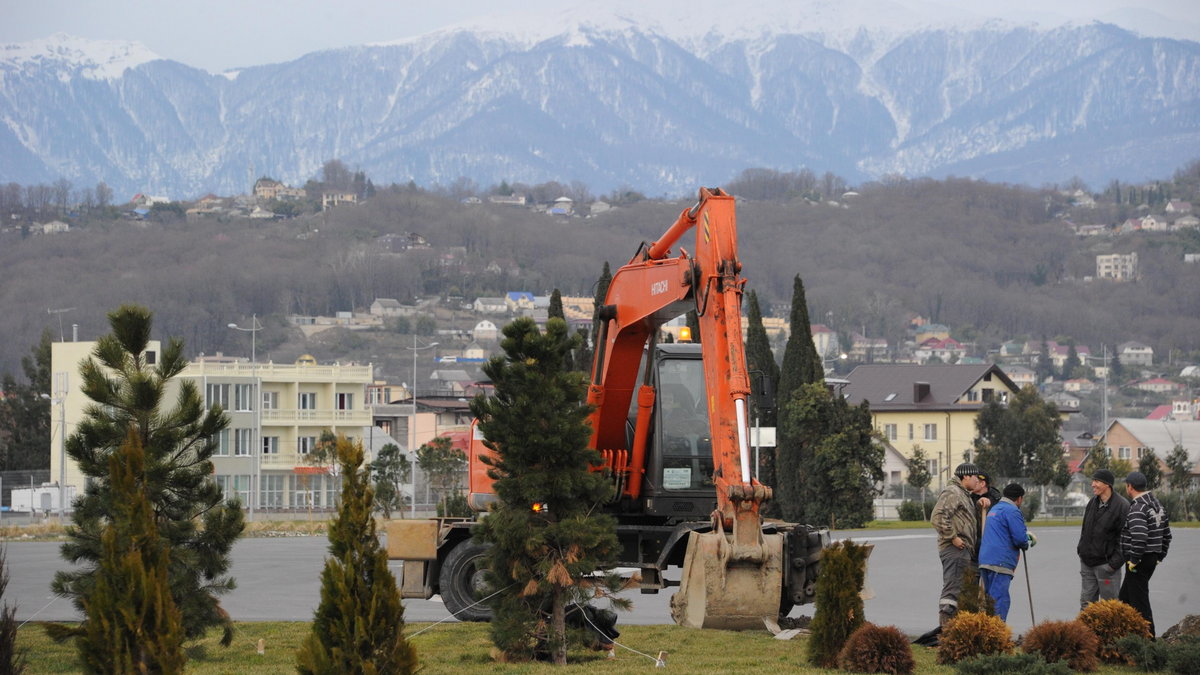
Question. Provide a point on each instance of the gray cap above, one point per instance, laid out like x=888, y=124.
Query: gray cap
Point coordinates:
x=1104, y=476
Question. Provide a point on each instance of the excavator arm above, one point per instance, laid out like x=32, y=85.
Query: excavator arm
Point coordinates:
x=730, y=580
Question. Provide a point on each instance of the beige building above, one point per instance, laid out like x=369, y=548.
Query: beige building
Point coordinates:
x=277, y=414
x=1118, y=266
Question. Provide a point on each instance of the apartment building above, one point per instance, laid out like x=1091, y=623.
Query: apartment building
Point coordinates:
x=1118, y=266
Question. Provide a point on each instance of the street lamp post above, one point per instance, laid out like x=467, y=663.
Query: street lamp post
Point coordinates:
x=412, y=448
x=256, y=449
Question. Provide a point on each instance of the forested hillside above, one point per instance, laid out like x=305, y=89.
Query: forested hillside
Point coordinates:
x=994, y=262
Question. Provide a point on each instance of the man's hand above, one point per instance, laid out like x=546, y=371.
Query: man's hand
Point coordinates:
x=985, y=503
x=958, y=543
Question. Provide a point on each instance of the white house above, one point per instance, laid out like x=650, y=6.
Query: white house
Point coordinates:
x=484, y=331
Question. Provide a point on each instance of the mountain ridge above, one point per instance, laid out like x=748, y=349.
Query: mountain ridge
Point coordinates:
x=618, y=107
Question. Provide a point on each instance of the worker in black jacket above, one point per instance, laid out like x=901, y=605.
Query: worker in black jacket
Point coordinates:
x=1099, y=548
x=1144, y=543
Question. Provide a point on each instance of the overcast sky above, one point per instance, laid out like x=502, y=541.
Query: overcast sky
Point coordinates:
x=218, y=35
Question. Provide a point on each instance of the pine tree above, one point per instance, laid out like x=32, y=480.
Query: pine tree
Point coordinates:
x=359, y=625
x=918, y=475
x=25, y=416
x=1044, y=368
x=545, y=534
x=556, y=306
x=1151, y=469
x=760, y=362
x=1072, y=364
x=191, y=513
x=131, y=623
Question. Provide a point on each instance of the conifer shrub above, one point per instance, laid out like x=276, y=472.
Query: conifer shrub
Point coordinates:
x=1068, y=641
x=12, y=658
x=973, y=598
x=1010, y=664
x=358, y=627
x=839, y=601
x=1146, y=655
x=970, y=634
x=1112, y=620
x=1183, y=657
x=877, y=649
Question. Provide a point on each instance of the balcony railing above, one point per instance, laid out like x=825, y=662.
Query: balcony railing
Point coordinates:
x=356, y=417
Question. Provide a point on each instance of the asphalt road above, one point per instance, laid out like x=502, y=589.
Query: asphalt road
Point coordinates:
x=279, y=580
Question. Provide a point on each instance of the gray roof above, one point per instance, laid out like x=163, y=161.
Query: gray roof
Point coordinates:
x=1164, y=435
x=894, y=386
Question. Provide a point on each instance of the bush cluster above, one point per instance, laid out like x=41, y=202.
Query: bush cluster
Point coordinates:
x=1068, y=641
x=1112, y=620
x=910, y=510
x=1182, y=656
x=1010, y=664
x=971, y=634
x=877, y=649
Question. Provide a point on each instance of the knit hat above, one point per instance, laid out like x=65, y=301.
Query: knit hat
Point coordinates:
x=966, y=469
x=1104, y=476
x=1136, y=480
x=1014, y=491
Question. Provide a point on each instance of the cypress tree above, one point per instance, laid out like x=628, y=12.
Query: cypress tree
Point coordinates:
x=601, y=295
x=545, y=533
x=760, y=358
x=359, y=625
x=839, y=601
x=801, y=363
x=801, y=366
x=556, y=306
x=191, y=513
x=131, y=623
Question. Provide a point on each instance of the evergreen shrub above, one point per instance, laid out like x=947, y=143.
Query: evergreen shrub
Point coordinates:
x=910, y=510
x=1069, y=641
x=12, y=658
x=877, y=649
x=1183, y=658
x=1146, y=655
x=973, y=598
x=1112, y=620
x=839, y=601
x=970, y=634
x=1010, y=664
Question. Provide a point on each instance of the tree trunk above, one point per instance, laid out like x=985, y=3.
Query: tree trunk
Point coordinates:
x=558, y=625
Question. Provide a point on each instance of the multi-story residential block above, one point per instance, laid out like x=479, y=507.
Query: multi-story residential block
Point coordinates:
x=1135, y=353
x=1117, y=266
x=933, y=407
x=277, y=414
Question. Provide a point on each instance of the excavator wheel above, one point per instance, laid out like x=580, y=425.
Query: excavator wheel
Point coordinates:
x=461, y=582
x=717, y=591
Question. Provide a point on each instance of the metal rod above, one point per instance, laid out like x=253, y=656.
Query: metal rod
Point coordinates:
x=1028, y=588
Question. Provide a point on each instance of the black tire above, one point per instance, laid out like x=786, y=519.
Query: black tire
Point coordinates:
x=461, y=580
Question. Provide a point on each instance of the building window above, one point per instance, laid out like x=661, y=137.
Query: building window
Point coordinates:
x=307, y=400
x=301, y=490
x=222, y=438
x=270, y=400
x=243, y=397
x=333, y=490
x=931, y=432
x=973, y=396
x=1142, y=452
x=345, y=402
x=932, y=465
x=241, y=488
x=1123, y=452
x=910, y=432
x=272, y=491
x=306, y=444
x=243, y=440
x=270, y=445
x=889, y=432
x=217, y=394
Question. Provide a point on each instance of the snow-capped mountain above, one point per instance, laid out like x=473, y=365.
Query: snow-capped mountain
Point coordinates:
x=654, y=102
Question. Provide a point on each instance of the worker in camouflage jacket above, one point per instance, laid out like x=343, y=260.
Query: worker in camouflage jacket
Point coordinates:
x=956, y=521
x=1144, y=543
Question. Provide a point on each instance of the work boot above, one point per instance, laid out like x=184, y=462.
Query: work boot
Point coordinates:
x=946, y=613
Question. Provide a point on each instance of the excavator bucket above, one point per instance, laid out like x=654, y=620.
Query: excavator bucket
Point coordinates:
x=724, y=589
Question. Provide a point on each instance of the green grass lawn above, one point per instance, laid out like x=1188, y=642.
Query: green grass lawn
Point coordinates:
x=464, y=649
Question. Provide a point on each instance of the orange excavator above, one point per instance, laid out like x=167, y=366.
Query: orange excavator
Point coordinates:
x=671, y=422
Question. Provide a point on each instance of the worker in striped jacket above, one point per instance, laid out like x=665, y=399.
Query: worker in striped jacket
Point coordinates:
x=1144, y=543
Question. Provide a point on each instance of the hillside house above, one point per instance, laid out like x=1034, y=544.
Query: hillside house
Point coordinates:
x=507, y=200
x=1135, y=353
x=334, y=198
x=489, y=305
x=824, y=339
x=1117, y=266
x=931, y=330
x=516, y=301
x=563, y=206
x=450, y=382
x=1060, y=353
x=1091, y=230
x=1178, y=206
x=947, y=350
x=933, y=407
x=53, y=227
x=1081, y=385
x=1130, y=438
x=1020, y=375
x=867, y=349
x=1159, y=385
x=1185, y=222
x=1064, y=401
x=485, y=331
x=390, y=307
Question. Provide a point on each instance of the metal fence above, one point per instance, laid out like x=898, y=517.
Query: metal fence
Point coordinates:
x=20, y=480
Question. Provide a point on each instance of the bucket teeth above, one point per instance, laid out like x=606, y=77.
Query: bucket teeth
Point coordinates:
x=719, y=591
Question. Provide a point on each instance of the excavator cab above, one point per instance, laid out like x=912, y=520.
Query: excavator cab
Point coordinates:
x=679, y=480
